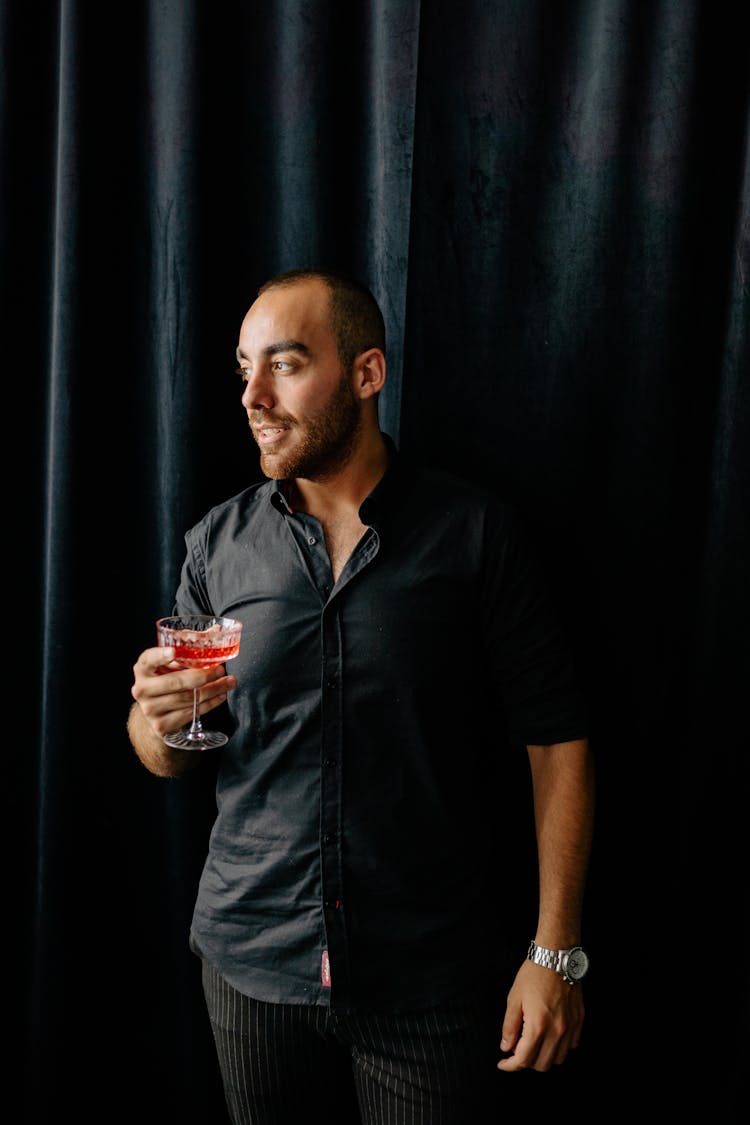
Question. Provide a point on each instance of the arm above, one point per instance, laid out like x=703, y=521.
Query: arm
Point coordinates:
x=163, y=695
x=544, y=1014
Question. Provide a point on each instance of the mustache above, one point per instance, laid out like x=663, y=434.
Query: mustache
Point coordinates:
x=263, y=418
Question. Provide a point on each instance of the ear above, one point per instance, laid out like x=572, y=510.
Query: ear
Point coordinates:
x=369, y=373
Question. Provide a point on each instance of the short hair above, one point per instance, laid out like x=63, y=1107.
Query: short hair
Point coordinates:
x=356, y=320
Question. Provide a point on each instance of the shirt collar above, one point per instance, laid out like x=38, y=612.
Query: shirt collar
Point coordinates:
x=279, y=496
x=374, y=504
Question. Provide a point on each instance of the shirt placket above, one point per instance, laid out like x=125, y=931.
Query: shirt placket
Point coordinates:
x=336, y=954
x=334, y=967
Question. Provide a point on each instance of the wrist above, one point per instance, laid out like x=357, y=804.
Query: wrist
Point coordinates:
x=571, y=963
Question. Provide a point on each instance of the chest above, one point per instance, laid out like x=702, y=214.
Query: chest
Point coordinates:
x=341, y=537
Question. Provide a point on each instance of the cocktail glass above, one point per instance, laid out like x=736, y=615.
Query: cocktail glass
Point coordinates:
x=199, y=641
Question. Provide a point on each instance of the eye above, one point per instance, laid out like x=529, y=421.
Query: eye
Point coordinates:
x=243, y=372
x=282, y=365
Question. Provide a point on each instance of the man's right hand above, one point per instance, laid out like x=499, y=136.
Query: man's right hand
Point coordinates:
x=163, y=694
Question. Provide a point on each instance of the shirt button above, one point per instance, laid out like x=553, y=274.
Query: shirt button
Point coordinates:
x=312, y=540
x=330, y=762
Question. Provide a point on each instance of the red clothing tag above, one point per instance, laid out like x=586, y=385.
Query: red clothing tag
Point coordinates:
x=325, y=970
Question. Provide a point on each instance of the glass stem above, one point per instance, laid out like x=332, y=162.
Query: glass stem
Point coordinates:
x=196, y=730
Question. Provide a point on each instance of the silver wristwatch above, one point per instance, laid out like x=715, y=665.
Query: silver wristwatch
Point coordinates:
x=572, y=964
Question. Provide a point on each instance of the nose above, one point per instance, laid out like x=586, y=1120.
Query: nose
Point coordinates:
x=257, y=393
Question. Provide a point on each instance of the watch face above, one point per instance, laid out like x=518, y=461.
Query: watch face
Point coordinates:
x=577, y=963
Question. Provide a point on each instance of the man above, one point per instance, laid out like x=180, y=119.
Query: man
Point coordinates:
x=397, y=640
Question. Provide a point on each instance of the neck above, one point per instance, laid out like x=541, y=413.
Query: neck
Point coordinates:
x=345, y=490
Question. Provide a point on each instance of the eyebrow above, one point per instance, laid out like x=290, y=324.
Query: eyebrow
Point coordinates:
x=278, y=346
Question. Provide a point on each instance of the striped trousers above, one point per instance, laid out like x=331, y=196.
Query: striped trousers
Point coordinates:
x=282, y=1064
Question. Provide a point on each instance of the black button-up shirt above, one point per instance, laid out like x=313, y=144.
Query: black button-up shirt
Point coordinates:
x=347, y=863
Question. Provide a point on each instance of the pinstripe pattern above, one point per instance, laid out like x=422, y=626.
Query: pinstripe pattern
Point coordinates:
x=279, y=1061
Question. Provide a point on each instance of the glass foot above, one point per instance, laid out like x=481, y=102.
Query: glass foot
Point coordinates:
x=204, y=740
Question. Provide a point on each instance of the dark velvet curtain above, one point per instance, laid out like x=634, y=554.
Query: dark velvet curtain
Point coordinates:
x=551, y=201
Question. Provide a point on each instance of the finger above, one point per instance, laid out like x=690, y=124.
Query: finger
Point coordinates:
x=178, y=678
x=212, y=694
x=525, y=1053
x=152, y=658
x=568, y=1043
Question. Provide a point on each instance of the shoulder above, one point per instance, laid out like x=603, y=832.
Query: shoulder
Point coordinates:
x=437, y=489
x=251, y=504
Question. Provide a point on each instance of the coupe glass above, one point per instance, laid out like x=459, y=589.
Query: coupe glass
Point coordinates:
x=199, y=641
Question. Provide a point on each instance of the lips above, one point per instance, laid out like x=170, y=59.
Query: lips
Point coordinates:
x=267, y=433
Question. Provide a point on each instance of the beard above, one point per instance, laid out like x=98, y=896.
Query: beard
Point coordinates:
x=322, y=444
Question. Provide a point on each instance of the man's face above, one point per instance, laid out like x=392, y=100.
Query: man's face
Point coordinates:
x=301, y=406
